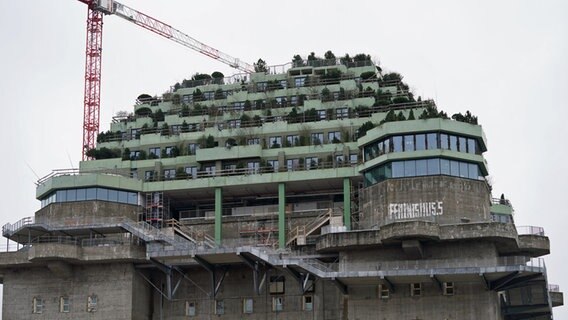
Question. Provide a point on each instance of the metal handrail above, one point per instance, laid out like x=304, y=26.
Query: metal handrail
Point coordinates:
x=530, y=230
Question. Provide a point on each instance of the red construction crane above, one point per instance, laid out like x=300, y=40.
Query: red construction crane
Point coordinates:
x=96, y=10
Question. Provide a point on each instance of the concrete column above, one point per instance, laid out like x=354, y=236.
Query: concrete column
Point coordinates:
x=281, y=215
x=347, y=203
x=218, y=214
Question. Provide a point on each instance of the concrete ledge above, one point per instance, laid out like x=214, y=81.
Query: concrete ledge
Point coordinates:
x=534, y=245
x=557, y=299
x=504, y=235
x=54, y=251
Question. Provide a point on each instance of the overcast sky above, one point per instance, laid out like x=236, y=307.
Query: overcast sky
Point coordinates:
x=505, y=61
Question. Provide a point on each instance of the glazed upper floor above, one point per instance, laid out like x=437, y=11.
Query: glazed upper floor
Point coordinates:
x=256, y=165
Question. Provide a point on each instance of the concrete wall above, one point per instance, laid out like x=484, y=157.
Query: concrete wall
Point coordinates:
x=441, y=199
x=112, y=283
x=238, y=285
x=470, y=302
x=85, y=212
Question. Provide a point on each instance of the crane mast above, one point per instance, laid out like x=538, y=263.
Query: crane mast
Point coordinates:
x=96, y=10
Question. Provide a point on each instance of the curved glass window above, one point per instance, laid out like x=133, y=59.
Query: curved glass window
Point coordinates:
x=422, y=167
x=419, y=142
x=81, y=194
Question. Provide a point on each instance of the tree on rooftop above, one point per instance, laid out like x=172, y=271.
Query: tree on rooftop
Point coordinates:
x=329, y=55
x=260, y=66
x=297, y=61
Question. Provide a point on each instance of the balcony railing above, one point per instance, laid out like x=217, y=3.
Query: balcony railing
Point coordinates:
x=530, y=230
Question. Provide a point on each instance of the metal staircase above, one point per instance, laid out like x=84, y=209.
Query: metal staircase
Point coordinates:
x=199, y=237
x=299, y=233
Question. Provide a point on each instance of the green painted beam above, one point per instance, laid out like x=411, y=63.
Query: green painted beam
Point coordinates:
x=281, y=215
x=218, y=214
x=347, y=203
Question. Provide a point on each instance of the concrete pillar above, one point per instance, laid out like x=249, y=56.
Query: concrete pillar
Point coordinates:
x=347, y=203
x=218, y=214
x=281, y=215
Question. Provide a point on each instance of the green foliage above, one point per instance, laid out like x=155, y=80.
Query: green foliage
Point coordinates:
x=325, y=95
x=400, y=99
x=246, y=121
x=184, y=111
x=363, y=111
x=219, y=94
x=158, y=115
x=368, y=75
x=198, y=110
x=126, y=154
x=393, y=76
x=200, y=76
x=218, y=77
x=432, y=112
x=260, y=66
x=104, y=153
x=184, y=127
x=165, y=130
x=297, y=61
x=400, y=116
x=411, y=115
x=231, y=142
x=176, y=99
x=198, y=95
x=329, y=55
x=248, y=105
x=361, y=57
x=467, y=118
x=109, y=136
x=362, y=131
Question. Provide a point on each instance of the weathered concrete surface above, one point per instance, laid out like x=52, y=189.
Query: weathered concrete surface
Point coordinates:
x=113, y=284
x=84, y=212
x=534, y=245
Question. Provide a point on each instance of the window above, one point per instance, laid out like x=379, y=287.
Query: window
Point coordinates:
x=273, y=164
x=353, y=158
x=248, y=305
x=293, y=101
x=253, y=167
x=448, y=288
x=209, y=95
x=191, y=172
x=334, y=137
x=154, y=152
x=219, y=307
x=473, y=171
x=384, y=292
x=275, y=142
x=253, y=141
x=234, y=123
x=169, y=151
x=415, y=289
x=281, y=101
x=187, y=98
x=409, y=168
x=38, y=304
x=397, y=143
x=92, y=303
x=444, y=144
x=339, y=160
x=176, y=129
x=409, y=143
x=277, y=304
x=300, y=81
x=239, y=106
x=398, y=169
x=421, y=167
x=454, y=168
x=317, y=138
x=192, y=148
x=284, y=84
x=432, y=141
x=308, y=303
x=322, y=114
x=261, y=86
x=149, y=175
x=342, y=113
x=292, y=140
x=276, y=285
x=134, y=155
x=453, y=143
x=311, y=163
x=433, y=166
x=464, y=170
x=292, y=164
x=169, y=174
x=64, y=304
x=471, y=146
x=210, y=169
x=231, y=167
x=420, y=142
x=190, y=309
x=462, y=144
x=445, y=166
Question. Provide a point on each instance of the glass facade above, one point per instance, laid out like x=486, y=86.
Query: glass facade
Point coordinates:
x=422, y=167
x=419, y=142
x=82, y=194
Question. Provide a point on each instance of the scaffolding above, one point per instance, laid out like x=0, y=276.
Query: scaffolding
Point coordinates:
x=156, y=209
